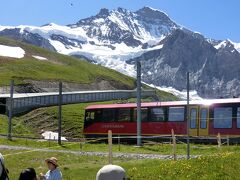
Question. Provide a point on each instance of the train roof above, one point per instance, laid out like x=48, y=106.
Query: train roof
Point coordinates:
x=206, y=102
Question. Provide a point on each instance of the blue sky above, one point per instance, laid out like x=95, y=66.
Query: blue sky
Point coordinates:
x=218, y=19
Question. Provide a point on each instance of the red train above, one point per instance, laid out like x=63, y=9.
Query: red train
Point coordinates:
x=207, y=118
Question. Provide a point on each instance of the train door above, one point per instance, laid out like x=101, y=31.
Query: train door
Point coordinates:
x=193, y=117
x=203, y=121
x=199, y=121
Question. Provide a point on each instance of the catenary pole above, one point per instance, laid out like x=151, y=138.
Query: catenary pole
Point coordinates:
x=10, y=110
x=60, y=114
x=188, y=119
x=139, y=117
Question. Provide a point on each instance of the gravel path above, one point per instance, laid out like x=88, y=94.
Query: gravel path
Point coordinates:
x=88, y=153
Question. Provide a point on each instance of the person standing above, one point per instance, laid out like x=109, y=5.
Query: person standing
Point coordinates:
x=54, y=173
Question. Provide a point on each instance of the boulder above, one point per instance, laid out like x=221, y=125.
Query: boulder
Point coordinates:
x=111, y=172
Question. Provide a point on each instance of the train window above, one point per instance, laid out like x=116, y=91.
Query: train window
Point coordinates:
x=108, y=115
x=176, y=114
x=238, y=117
x=222, y=117
x=157, y=114
x=193, y=118
x=144, y=112
x=124, y=115
x=203, y=118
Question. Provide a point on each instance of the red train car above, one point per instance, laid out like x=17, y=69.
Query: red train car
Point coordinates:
x=207, y=118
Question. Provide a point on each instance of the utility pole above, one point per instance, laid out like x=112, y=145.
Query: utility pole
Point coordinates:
x=60, y=114
x=10, y=110
x=188, y=119
x=139, y=116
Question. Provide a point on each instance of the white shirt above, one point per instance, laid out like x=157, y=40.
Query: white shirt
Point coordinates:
x=54, y=175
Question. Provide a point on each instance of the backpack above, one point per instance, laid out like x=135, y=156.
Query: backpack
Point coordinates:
x=4, y=175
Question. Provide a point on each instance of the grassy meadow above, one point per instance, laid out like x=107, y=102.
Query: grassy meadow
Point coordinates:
x=218, y=165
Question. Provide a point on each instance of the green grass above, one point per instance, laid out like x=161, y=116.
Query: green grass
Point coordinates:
x=18, y=127
x=216, y=166
x=165, y=96
x=72, y=166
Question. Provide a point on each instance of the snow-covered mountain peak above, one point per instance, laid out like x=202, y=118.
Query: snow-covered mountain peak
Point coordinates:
x=123, y=26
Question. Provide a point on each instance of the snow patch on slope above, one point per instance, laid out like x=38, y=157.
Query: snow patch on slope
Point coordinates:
x=14, y=52
x=114, y=59
x=49, y=135
x=40, y=58
x=47, y=31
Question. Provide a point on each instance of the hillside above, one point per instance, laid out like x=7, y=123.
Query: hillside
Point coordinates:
x=51, y=67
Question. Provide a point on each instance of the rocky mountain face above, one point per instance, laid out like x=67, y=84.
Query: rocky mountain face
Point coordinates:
x=167, y=51
x=214, y=71
x=27, y=37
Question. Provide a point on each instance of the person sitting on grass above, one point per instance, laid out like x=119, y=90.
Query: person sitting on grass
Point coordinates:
x=54, y=173
x=3, y=170
x=28, y=174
